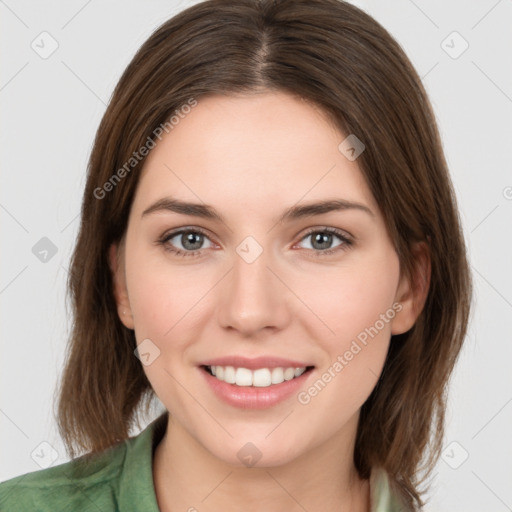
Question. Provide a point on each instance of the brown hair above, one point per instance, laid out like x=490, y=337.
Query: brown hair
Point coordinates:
x=339, y=58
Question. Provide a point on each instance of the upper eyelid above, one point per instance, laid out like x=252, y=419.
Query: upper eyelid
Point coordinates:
x=329, y=229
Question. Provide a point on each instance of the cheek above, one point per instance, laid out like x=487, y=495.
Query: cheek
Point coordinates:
x=169, y=304
x=166, y=304
x=355, y=305
x=163, y=296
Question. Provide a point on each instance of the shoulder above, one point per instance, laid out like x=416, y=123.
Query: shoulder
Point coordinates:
x=118, y=478
x=85, y=483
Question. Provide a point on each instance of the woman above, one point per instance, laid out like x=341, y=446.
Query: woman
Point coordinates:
x=269, y=245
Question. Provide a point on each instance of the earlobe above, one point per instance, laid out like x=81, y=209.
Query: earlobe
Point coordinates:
x=412, y=291
x=116, y=263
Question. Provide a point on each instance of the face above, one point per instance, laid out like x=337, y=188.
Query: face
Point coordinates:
x=320, y=287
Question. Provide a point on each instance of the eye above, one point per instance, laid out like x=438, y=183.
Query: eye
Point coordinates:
x=322, y=240
x=185, y=242
x=190, y=241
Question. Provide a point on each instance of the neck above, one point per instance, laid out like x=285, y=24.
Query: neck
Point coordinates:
x=189, y=477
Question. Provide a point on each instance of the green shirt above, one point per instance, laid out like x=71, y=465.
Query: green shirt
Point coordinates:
x=121, y=479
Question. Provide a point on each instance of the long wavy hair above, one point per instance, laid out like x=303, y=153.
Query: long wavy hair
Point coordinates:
x=343, y=61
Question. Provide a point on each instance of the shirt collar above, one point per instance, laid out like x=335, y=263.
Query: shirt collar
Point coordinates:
x=136, y=486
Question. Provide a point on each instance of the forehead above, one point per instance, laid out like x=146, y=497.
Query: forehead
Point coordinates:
x=258, y=150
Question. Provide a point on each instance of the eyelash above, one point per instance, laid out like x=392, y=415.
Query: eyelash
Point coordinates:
x=347, y=243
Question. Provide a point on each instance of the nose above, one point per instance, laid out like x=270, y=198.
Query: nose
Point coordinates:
x=253, y=297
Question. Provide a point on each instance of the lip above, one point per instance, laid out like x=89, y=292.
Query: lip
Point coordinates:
x=249, y=397
x=255, y=363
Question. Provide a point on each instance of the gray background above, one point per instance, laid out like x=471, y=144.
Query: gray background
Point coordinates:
x=51, y=108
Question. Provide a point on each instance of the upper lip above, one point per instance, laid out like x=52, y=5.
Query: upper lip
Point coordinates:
x=255, y=363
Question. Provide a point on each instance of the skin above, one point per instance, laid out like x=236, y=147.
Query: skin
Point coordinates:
x=251, y=157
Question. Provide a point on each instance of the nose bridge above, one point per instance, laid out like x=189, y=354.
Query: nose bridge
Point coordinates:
x=254, y=297
x=250, y=272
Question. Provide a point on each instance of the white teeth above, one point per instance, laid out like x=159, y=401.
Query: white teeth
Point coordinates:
x=243, y=377
x=289, y=373
x=277, y=375
x=262, y=377
x=299, y=371
x=229, y=375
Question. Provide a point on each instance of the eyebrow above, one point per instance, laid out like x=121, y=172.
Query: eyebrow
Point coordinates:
x=293, y=213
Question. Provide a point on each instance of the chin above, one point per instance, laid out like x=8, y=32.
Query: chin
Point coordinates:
x=254, y=451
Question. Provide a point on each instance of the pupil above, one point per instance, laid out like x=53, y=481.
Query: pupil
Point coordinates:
x=324, y=239
x=188, y=239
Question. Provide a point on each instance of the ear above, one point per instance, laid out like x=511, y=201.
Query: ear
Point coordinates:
x=412, y=291
x=116, y=262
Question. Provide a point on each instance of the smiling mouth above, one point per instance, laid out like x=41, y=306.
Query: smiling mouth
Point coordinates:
x=261, y=377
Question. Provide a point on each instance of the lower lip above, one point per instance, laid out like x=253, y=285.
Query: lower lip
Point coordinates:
x=250, y=397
